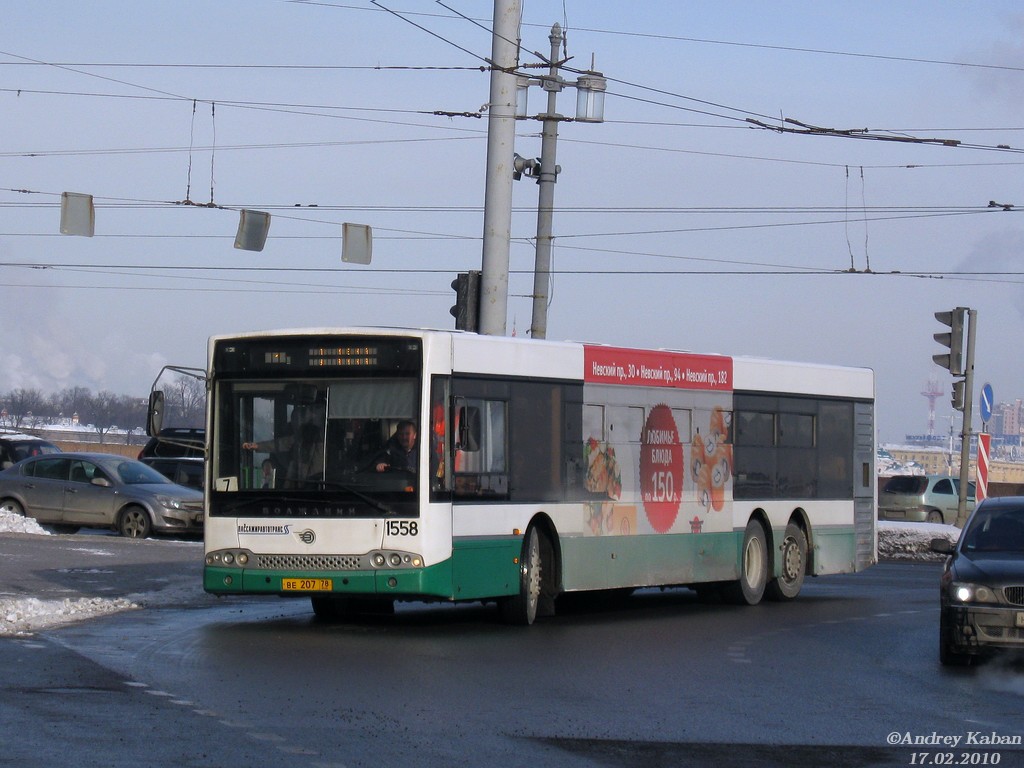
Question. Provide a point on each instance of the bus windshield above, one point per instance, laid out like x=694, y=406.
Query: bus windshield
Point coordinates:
x=349, y=444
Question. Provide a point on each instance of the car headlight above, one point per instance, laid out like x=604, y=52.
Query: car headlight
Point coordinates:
x=169, y=501
x=962, y=592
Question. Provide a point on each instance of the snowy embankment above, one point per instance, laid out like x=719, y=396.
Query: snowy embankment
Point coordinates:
x=912, y=541
x=24, y=615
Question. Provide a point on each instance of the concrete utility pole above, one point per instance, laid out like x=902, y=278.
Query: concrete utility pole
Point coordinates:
x=590, y=90
x=501, y=133
x=546, y=193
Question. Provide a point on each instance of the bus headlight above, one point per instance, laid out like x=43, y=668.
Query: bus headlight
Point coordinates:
x=389, y=559
x=228, y=557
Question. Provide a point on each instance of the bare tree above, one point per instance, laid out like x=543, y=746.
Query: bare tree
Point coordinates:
x=104, y=412
x=27, y=408
x=72, y=400
x=185, y=402
x=22, y=405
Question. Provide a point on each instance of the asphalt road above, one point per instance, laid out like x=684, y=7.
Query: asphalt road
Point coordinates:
x=98, y=564
x=660, y=679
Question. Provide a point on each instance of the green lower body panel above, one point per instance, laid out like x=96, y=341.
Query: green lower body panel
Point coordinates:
x=486, y=567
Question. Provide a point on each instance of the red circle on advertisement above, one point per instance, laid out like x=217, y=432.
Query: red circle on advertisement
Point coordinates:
x=661, y=468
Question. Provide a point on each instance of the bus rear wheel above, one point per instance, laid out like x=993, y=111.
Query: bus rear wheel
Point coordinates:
x=749, y=588
x=793, y=556
x=521, y=609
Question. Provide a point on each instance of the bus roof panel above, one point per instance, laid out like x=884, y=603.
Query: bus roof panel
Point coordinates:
x=505, y=356
x=758, y=375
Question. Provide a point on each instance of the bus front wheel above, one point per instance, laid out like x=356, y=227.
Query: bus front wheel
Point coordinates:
x=522, y=608
x=750, y=586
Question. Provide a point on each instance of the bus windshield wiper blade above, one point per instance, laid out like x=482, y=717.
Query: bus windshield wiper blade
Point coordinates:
x=380, y=506
x=235, y=506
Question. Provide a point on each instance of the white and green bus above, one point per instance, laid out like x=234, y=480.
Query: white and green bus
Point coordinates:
x=539, y=468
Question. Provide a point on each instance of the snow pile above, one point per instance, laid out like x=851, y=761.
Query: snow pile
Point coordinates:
x=912, y=541
x=25, y=615
x=18, y=524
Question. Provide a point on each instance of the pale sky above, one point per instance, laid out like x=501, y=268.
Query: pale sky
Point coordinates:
x=678, y=222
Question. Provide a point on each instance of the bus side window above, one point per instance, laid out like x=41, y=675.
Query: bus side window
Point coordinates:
x=480, y=461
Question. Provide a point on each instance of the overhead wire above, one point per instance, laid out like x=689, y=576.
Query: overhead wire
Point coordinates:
x=166, y=94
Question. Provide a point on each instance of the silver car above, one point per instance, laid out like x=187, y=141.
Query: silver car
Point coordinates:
x=922, y=499
x=99, y=490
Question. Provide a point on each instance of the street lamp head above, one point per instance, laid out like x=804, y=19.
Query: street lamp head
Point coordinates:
x=590, y=89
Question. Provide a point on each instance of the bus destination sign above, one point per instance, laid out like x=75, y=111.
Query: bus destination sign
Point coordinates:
x=655, y=368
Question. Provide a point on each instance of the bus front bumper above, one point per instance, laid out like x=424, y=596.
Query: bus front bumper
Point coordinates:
x=428, y=582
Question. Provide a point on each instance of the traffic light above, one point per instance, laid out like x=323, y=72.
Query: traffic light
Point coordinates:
x=958, y=394
x=467, y=300
x=953, y=339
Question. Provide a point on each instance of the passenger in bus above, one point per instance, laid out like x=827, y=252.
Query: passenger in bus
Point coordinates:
x=400, y=450
x=303, y=446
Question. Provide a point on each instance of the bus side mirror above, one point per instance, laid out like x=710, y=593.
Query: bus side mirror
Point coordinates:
x=155, y=415
x=467, y=417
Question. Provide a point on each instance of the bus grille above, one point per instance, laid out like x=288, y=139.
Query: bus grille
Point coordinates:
x=309, y=562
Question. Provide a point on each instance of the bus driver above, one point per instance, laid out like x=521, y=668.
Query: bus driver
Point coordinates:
x=400, y=450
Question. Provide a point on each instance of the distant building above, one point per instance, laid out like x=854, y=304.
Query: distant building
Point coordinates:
x=918, y=460
x=1006, y=427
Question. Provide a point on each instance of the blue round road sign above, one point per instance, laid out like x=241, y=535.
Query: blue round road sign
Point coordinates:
x=986, y=402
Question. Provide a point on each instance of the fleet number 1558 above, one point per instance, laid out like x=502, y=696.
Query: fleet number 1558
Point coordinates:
x=401, y=527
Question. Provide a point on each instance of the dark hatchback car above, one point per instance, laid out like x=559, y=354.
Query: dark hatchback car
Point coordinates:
x=183, y=470
x=982, y=584
x=15, y=446
x=176, y=442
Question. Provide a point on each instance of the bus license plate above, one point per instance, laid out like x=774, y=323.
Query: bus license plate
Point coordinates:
x=307, y=585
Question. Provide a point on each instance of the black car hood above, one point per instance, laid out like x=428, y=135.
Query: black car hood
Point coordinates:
x=989, y=567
